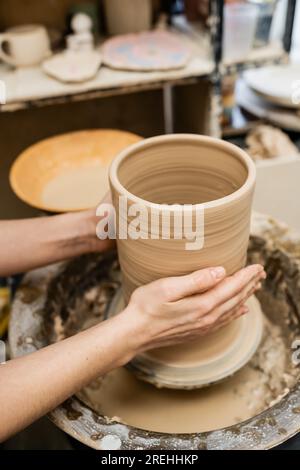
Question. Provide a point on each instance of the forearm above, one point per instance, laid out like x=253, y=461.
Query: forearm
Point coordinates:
x=32, y=243
x=33, y=385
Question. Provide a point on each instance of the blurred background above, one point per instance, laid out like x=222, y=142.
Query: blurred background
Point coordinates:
x=225, y=39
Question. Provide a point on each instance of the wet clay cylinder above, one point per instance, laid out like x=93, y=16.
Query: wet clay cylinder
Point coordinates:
x=201, y=175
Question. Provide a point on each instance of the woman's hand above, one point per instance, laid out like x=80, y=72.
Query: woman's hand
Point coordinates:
x=178, y=309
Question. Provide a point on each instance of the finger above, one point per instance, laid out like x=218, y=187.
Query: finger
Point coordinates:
x=224, y=291
x=236, y=301
x=192, y=320
x=225, y=320
x=239, y=312
x=174, y=288
x=234, y=285
x=230, y=314
x=204, y=304
x=204, y=324
x=197, y=333
x=201, y=331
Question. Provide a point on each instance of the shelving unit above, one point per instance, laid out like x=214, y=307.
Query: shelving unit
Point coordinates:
x=28, y=88
x=270, y=54
x=273, y=53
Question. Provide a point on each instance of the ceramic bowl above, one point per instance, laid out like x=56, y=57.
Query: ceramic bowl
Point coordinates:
x=54, y=174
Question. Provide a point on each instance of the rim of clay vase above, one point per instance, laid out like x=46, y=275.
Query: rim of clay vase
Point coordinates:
x=227, y=147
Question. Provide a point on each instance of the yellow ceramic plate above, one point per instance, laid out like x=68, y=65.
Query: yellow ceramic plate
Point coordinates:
x=68, y=172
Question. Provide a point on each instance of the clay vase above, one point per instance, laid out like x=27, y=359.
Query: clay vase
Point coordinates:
x=128, y=16
x=208, y=180
x=207, y=185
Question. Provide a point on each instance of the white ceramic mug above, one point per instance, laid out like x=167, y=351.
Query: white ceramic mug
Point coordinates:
x=28, y=45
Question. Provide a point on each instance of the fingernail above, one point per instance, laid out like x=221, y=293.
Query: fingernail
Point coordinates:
x=259, y=286
x=260, y=268
x=218, y=273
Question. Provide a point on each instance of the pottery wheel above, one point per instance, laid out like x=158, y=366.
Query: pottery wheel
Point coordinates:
x=199, y=363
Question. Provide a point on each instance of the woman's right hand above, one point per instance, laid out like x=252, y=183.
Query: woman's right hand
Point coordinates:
x=179, y=309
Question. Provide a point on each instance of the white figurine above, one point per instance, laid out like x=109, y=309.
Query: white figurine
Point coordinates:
x=82, y=39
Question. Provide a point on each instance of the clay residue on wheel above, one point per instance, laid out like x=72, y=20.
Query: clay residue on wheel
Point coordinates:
x=263, y=382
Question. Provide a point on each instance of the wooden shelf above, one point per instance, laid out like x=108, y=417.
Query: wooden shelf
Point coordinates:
x=31, y=87
x=27, y=87
x=267, y=55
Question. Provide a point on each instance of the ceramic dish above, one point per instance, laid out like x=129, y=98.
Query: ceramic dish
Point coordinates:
x=255, y=104
x=68, y=172
x=73, y=67
x=279, y=84
x=154, y=50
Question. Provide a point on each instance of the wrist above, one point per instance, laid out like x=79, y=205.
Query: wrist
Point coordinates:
x=89, y=233
x=135, y=328
x=88, y=225
x=122, y=339
x=84, y=235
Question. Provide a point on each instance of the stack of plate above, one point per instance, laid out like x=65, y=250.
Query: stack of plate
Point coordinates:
x=272, y=93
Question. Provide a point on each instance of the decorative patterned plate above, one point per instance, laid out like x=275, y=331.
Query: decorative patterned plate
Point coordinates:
x=153, y=50
x=73, y=67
